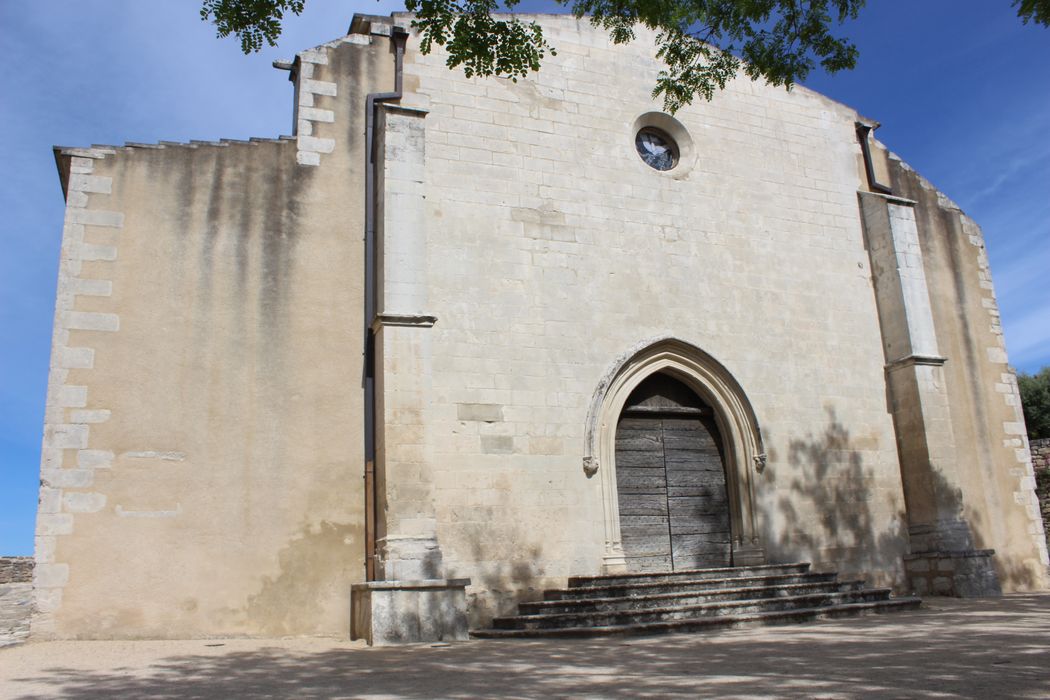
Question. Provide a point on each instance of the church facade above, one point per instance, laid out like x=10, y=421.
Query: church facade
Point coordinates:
x=457, y=339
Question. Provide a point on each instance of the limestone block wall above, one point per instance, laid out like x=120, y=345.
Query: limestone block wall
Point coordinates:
x=556, y=249
x=202, y=460
x=1041, y=466
x=996, y=479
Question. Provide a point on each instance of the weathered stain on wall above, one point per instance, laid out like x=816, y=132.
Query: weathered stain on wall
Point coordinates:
x=218, y=487
x=295, y=597
x=993, y=466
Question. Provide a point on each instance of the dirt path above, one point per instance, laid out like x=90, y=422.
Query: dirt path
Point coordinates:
x=951, y=649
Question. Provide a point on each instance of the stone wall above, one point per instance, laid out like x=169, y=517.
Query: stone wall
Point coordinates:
x=205, y=396
x=1041, y=465
x=978, y=450
x=16, y=570
x=554, y=250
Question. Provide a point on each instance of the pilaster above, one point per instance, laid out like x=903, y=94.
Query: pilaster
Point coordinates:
x=939, y=536
x=413, y=602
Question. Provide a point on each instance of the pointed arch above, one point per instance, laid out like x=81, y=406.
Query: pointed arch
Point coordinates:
x=734, y=415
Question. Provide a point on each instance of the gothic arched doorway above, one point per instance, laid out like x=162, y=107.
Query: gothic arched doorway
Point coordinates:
x=671, y=480
x=737, y=428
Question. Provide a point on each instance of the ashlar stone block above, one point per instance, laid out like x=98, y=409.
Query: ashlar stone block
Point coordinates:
x=386, y=613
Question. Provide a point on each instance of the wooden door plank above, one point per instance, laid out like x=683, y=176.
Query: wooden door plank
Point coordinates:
x=639, y=442
x=700, y=527
x=708, y=458
x=653, y=504
x=689, y=560
x=651, y=459
x=698, y=505
x=682, y=440
x=641, y=480
x=707, y=551
x=629, y=422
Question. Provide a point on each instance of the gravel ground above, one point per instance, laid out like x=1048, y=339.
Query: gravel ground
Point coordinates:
x=949, y=649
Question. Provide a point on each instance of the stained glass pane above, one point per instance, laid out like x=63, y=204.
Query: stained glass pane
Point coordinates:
x=656, y=148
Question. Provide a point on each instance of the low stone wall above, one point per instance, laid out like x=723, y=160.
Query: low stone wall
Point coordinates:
x=1041, y=463
x=16, y=570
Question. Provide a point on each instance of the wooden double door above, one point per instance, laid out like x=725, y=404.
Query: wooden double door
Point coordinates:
x=671, y=480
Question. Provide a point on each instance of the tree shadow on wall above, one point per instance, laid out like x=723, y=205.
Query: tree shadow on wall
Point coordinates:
x=970, y=650
x=506, y=560
x=1013, y=575
x=500, y=586
x=827, y=514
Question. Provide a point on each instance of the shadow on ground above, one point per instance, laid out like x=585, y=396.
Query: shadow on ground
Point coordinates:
x=953, y=649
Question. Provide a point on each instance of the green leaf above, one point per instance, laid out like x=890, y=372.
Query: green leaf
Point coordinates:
x=1037, y=11
x=702, y=43
x=252, y=21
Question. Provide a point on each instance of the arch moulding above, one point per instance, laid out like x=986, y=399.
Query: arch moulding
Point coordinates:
x=712, y=382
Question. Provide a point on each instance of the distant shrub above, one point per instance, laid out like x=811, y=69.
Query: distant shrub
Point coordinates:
x=1035, y=398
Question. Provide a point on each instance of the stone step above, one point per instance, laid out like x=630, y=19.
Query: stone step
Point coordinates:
x=701, y=624
x=687, y=575
x=638, y=602
x=673, y=613
x=640, y=587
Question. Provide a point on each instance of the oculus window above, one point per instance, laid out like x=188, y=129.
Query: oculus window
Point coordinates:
x=656, y=148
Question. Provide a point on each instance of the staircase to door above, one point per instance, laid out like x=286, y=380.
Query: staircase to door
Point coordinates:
x=693, y=601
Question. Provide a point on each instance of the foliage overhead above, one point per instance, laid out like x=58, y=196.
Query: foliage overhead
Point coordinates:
x=1035, y=399
x=478, y=41
x=1037, y=11
x=253, y=21
x=702, y=43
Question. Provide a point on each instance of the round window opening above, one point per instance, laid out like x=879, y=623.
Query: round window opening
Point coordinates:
x=656, y=148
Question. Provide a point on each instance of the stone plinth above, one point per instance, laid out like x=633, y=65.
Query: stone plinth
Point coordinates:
x=965, y=574
x=386, y=613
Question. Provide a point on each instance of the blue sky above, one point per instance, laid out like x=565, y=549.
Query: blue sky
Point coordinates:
x=962, y=90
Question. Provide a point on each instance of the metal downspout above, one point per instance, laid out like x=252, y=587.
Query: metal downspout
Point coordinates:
x=864, y=136
x=399, y=37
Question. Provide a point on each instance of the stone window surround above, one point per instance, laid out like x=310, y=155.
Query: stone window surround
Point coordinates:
x=678, y=134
